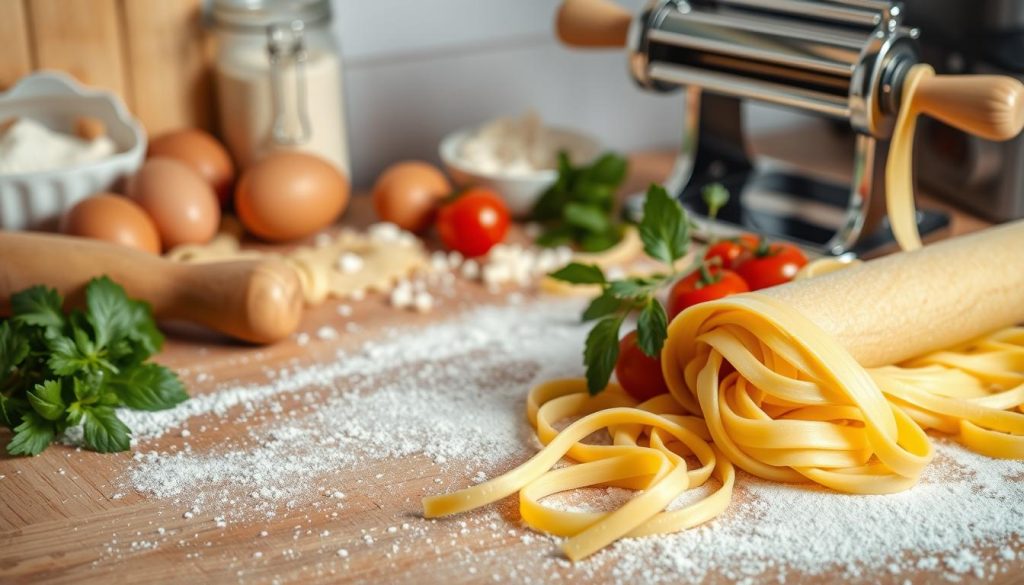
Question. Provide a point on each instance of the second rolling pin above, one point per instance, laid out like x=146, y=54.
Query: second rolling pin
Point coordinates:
x=259, y=301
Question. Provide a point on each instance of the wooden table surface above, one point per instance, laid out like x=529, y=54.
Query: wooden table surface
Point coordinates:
x=64, y=518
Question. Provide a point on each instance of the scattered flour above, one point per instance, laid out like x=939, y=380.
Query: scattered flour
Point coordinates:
x=449, y=391
x=964, y=501
x=454, y=392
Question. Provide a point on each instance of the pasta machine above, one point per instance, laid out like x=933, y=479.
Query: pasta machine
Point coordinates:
x=842, y=59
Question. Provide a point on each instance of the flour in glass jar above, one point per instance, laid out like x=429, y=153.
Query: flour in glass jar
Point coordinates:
x=454, y=392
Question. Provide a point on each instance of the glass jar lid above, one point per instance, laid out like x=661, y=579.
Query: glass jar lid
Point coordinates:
x=260, y=14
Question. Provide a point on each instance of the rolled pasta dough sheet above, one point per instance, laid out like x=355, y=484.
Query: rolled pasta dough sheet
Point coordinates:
x=904, y=305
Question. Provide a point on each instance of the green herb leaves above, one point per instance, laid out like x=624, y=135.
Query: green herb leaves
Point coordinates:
x=652, y=327
x=580, y=274
x=46, y=400
x=715, y=196
x=664, y=229
x=38, y=306
x=577, y=208
x=104, y=432
x=31, y=436
x=147, y=387
x=59, y=371
x=601, y=352
x=665, y=234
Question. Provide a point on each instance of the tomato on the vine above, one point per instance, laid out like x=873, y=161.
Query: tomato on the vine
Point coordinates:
x=708, y=283
x=729, y=252
x=771, y=265
x=639, y=374
x=473, y=222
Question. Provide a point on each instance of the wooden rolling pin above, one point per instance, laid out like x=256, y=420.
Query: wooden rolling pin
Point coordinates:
x=259, y=301
x=988, y=106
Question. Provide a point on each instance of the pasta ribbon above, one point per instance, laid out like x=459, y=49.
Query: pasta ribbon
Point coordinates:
x=757, y=384
x=650, y=443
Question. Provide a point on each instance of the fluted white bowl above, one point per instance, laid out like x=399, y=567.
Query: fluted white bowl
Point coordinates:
x=37, y=199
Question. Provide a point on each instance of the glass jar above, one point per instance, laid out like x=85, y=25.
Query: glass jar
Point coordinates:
x=278, y=79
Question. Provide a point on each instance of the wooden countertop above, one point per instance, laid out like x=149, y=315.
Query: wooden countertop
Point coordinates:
x=63, y=518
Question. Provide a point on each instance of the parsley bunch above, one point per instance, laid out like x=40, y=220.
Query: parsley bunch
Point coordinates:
x=665, y=232
x=59, y=371
x=579, y=207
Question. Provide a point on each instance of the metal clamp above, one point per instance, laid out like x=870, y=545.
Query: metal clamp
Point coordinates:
x=286, y=47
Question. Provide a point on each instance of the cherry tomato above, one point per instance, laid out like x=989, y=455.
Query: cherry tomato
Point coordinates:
x=473, y=222
x=639, y=375
x=729, y=251
x=707, y=283
x=771, y=265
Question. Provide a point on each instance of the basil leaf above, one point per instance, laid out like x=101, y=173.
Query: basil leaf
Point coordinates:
x=598, y=242
x=715, y=197
x=602, y=305
x=652, y=328
x=601, y=352
x=636, y=288
x=576, y=273
x=664, y=228
x=610, y=169
x=586, y=217
x=597, y=194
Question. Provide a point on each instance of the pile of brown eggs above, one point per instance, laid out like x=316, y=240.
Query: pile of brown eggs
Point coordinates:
x=188, y=178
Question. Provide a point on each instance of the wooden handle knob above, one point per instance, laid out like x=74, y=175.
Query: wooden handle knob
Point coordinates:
x=593, y=23
x=254, y=300
x=988, y=106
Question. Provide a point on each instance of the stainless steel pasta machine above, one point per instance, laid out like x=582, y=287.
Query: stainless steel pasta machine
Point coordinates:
x=842, y=59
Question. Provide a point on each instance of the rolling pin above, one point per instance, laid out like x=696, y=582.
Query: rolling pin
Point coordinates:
x=259, y=301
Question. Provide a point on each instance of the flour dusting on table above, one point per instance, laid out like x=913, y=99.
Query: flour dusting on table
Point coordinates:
x=454, y=392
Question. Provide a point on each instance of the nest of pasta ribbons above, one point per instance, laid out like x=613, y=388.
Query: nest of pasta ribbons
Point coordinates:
x=752, y=383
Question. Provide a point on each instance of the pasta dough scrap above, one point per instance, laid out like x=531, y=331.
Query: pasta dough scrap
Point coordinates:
x=629, y=248
x=756, y=384
x=387, y=255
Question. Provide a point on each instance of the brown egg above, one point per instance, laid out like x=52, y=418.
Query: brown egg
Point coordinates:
x=202, y=152
x=407, y=194
x=290, y=195
x=182, y=205
x=114, y=219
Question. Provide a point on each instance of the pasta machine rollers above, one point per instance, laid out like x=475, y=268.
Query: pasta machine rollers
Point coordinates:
x=841, y=59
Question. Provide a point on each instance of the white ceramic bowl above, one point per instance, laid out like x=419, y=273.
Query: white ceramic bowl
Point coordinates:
x=37, y=199
x=520, y=192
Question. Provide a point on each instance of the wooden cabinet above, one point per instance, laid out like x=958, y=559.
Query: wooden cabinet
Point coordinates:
x=153, y=53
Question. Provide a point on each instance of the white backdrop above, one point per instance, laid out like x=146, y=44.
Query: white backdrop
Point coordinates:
x=417, y=69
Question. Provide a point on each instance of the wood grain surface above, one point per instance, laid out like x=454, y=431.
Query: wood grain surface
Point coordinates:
x=82, y=38
x=167, y=55
x=17, y=57
x=66, y=517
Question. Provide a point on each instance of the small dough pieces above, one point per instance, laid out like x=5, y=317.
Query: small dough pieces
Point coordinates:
x=344, y=266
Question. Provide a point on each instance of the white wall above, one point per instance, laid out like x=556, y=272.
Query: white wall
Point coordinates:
x=418, y=69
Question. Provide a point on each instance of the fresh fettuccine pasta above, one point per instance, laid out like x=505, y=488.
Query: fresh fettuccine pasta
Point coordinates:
x=832, y=379
x=649, y=444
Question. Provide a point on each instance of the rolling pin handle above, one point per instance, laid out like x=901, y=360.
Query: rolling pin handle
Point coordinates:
x=593, y=23
x=259, y=301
